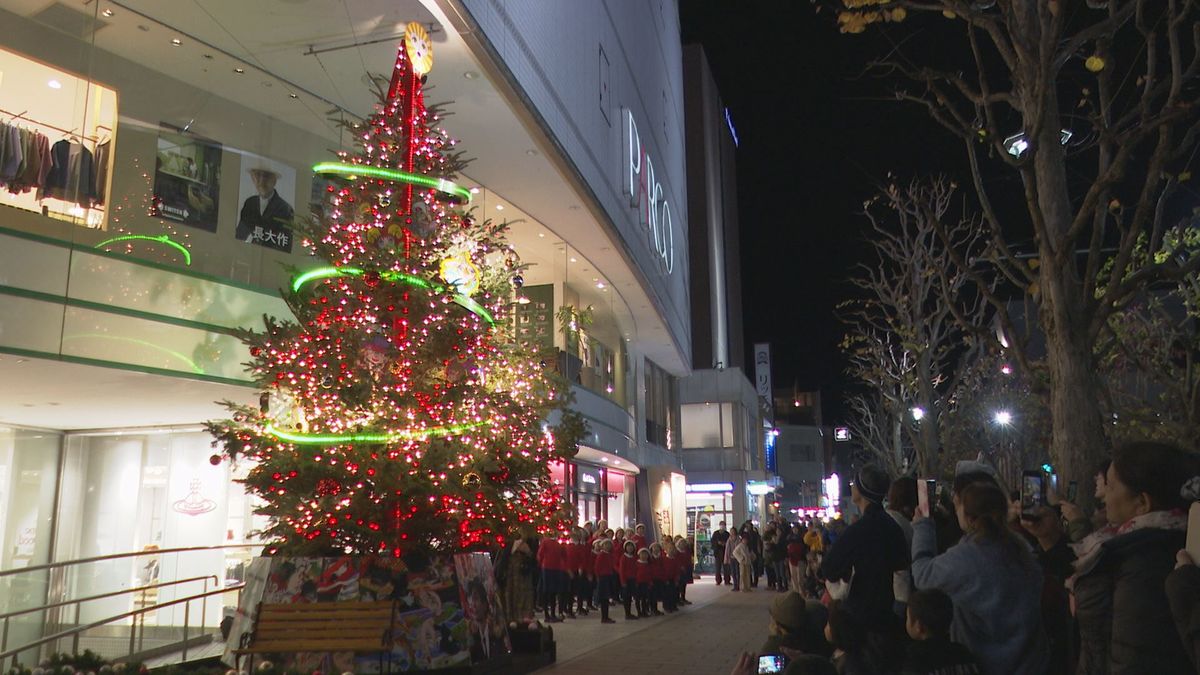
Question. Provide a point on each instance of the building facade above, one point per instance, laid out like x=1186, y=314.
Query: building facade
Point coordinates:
x=124, y=282
x=725, y=424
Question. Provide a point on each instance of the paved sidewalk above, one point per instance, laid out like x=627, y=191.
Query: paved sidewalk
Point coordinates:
x=703, y=638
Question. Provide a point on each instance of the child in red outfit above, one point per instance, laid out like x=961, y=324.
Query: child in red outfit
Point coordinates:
x=602, y=570
x=627, y=570
x=645, y=582
x=670, y=582
x=554, y=577
x=659, y=577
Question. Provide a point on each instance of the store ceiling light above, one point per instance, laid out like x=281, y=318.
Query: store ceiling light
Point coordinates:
x=176, y=41
x=471, y=75
x=239, y=71
x=293, y=96
x=499, y=207
x=474, y=190
x=107, y=13
x=54, y=84
x=541, y=235
x=574, y=260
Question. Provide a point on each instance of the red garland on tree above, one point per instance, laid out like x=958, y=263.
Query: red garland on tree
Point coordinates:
x=401, y=383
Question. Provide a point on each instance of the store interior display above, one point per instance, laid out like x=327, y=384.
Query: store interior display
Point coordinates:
x=56, y=141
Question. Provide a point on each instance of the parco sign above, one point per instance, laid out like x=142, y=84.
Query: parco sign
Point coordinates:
x=646, y=194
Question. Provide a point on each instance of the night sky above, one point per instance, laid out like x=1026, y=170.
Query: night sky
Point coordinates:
x=816, y=138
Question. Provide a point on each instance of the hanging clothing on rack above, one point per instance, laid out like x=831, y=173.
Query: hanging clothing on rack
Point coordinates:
x=103, y=157
x=36, y=165
x=11, y=161
x=72, y=176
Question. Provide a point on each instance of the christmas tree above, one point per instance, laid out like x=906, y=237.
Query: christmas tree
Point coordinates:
x=399, y=414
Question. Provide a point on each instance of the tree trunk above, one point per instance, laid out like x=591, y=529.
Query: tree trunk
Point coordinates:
x=1078, y=442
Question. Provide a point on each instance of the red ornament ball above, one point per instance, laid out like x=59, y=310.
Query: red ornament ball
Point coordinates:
x=255, y=351
x=214, y=460
x=372, y=278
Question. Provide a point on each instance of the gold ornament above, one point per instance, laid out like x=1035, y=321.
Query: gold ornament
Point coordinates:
x=1094, y=63
x=419, y=48
x=471, y=480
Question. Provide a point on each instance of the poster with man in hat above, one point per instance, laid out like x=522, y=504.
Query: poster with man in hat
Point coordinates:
x=266, y=216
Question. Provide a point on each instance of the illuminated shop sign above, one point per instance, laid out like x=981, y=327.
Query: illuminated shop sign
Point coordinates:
x=647, y=195
x=710, y=487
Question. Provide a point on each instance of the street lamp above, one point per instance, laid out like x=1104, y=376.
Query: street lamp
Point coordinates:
x=918, y=413
x=1003, y=418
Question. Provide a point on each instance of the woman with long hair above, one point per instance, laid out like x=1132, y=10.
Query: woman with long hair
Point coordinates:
x=1125, y=623
x=993, y=579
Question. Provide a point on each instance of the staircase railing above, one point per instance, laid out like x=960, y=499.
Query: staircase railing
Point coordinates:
x=57, y=583
x=73, y=632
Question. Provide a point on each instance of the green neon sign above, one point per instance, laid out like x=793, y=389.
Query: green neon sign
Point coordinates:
x=460, y=193
x=346, y=271
x=160, y=239
x=333, y=439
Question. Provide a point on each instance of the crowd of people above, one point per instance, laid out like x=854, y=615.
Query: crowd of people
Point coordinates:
x=979, y=585
x=597, y=568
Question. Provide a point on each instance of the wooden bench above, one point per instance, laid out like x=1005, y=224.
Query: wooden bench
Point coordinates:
x=359, y=627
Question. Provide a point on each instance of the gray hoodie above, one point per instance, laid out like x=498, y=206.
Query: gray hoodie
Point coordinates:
x=997, y=601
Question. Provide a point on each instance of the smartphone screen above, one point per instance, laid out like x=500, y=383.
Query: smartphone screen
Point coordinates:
x=1193, y=532
x=1072, y=491
x=1033, y=491
x=771, y=663
x=923, y=497
x=1054, y=483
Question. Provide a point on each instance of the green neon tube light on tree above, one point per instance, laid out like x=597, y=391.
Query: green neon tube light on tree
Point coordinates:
x=367, y=437
x=460, y=194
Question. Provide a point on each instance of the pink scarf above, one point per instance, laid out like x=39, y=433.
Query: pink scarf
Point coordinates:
x=1088, y=550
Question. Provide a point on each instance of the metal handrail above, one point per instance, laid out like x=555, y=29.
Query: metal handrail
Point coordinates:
x=108, y=595
x=118, y=556
x=95, y=624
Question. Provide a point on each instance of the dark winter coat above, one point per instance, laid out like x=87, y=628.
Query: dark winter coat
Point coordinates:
x=1125, y=623
x=1183, y=590
x=872, y=549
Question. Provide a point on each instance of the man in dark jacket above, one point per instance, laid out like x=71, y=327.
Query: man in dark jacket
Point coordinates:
x=719, y=540
x=266, y=218
x=870, y=551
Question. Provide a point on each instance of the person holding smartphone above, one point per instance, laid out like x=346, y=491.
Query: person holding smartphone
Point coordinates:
x=992, y=579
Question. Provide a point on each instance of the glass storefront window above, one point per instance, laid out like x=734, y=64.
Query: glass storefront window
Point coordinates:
x=662, y=421
x=707, y=425
x=705, y=511
x=620, y=505
x=28, y=480
x=126, y=492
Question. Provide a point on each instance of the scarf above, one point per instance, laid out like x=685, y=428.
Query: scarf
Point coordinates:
x=1088, y=550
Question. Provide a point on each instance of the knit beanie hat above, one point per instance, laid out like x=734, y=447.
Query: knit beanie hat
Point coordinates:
x=804, y=619
x=873, y=482
x=970, y=466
